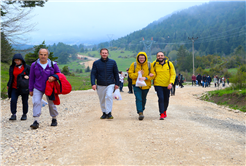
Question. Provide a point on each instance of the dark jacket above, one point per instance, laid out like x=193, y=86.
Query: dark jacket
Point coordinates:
x=21, y=90
x=199, y=77
x=105, y=71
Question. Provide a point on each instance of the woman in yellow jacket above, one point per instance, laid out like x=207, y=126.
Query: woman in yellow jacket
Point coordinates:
x=147, y=71
x=164, y=79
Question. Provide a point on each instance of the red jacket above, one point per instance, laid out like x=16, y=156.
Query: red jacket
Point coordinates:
x=53, y=89
x=193, y=78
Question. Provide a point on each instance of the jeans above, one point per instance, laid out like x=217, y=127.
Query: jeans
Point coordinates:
x=163, y=98
x=130, y=86
x=194, y=82
x=140, y=95
x=121, y=86
x=13, y=102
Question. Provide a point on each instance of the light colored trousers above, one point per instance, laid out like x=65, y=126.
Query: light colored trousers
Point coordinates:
x=37, y=104
x=106, y=97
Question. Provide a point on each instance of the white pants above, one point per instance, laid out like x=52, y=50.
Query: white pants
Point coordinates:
x=106, y=97
x=37, y=100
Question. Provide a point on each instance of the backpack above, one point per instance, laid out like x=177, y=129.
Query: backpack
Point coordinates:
x=135, y=65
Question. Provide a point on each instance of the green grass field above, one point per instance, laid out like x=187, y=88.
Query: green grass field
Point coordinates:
x=4, y=79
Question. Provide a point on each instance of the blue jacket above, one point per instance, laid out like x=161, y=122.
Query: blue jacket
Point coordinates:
x=105, y=71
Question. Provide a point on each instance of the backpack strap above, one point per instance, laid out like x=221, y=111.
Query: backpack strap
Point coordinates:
x=52, y=65
x=135, y=65
x=149, y=66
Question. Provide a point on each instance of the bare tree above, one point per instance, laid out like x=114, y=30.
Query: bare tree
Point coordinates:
x=15, y=19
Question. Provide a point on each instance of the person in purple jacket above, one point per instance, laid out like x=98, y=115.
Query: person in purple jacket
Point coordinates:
x=41, y=71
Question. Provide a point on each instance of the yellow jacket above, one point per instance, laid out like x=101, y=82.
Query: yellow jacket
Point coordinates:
x=163, y=75
x=134, y=75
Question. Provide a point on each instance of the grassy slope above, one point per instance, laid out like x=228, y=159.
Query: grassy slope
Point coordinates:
x=4, y=77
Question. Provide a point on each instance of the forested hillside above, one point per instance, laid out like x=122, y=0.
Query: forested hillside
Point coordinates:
x=219, y=26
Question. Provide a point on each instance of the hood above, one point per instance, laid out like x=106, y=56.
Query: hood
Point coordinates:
x=18, y=56
x=165, y=59
x=145, y=57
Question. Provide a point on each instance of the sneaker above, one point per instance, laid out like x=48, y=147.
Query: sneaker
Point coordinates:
x=165, y=114
x=104, y=116
x=141, y=116
x=109, y=116
x=35, y=125
x=24, y=117
x=13, y=117
x=162, y=116
x=54, y=122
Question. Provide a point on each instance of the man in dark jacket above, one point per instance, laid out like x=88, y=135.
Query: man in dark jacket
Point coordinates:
x=105, y=71
x=199, y=79
x=18, y=85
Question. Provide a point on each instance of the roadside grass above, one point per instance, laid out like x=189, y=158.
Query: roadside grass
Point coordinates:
x=4, y=79
x=235, y=99
x=233, y=71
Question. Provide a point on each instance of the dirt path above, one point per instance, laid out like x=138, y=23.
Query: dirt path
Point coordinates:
x=88, y=63
x=194, y=133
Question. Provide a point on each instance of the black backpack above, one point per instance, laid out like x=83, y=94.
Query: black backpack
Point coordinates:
x=22, y=84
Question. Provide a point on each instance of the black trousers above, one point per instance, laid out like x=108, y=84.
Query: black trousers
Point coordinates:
x=130, y=86
x=13, y=102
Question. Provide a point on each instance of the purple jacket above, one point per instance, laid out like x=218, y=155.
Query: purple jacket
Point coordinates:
x=38, y=76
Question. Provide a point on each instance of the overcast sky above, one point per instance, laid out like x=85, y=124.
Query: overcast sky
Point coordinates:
x=76, y=22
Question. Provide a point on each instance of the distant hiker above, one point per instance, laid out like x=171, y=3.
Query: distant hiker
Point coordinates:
x=121, y=77
x=105, y=71
x=228, y=81
x=164, y=80
x=193, y=77
x=199, y=79
x=129, y=83
x=41, y=71
x=208, y=80
x=18, y=85
x=215, y=81
x=180, y=80
x=204, y=79
x=174, y=86
x=144, y=67
x=223, y=81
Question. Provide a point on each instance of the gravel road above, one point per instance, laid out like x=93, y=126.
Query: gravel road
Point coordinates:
x=195, y=132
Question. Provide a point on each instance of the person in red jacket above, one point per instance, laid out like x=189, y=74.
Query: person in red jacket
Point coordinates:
x=193, y=79
x=18, y=85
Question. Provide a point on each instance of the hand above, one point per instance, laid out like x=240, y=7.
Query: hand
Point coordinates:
x=169, y=86
x=142, y=78
x=151, y=74
x=142, y=72
x=116, y=87
x=31, y=93
x=94, y=87
x=26, y=76
x=51, y=79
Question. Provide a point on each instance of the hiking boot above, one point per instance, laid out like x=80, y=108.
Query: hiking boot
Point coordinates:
x=24, y=117
x=109, y=116
x=35, y=125
x=141, y=116
x=104, y=116
x=165, y=114
x=54, y=122
x=13, y=117
x=162, y=116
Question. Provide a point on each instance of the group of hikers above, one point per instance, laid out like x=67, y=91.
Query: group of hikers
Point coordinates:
x=37, y=80
x=105, y=79
x=205, y=80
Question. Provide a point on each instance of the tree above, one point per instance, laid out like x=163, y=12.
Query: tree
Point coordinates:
x=87, y=69
x=31, y=57
x=6, y=50
x=14, y=19
x=63, y=58
x=65, y=70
